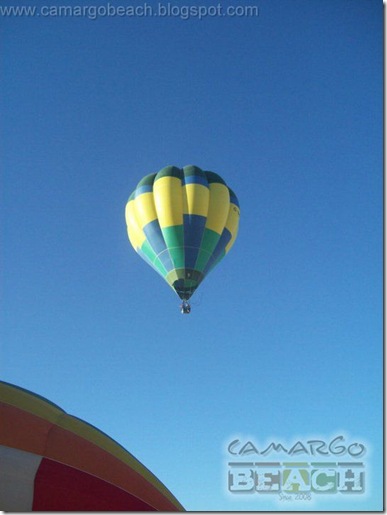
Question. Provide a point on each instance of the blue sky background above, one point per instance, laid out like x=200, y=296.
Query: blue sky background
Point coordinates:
x=285, y=336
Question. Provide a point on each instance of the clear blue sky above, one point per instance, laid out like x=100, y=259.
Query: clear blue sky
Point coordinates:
x=285, y=336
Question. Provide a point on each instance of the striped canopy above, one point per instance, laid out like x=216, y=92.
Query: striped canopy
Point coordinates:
x=52, y=461
x=182, y=222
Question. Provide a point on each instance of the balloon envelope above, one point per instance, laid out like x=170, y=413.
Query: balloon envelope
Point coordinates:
x=182, y=222
x=52, y=461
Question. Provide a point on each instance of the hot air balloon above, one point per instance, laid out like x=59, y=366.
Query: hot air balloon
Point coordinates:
x=52, y=461
x=182, y=222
